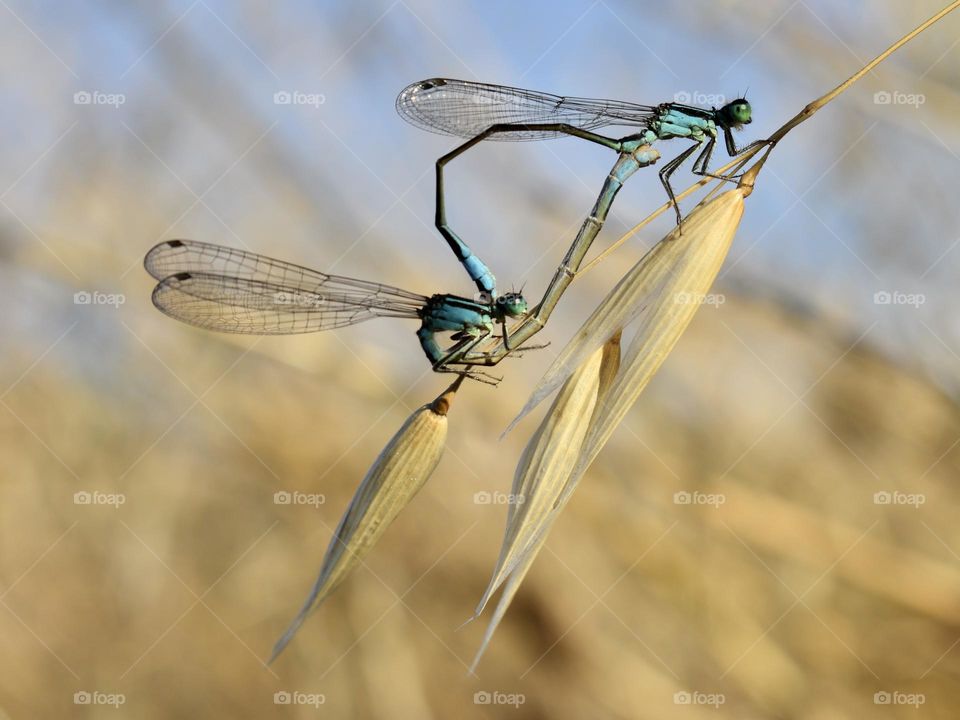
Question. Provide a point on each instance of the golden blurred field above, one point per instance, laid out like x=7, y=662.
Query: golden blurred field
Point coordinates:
x=798, y=592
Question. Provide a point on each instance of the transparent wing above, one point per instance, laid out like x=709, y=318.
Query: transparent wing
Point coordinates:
x=254, y=307
x=465, y=109
x=234, y=291
x=177, y=256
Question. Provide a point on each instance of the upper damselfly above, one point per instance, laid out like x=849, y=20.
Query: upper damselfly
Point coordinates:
x=230, y=290
x=480, y=111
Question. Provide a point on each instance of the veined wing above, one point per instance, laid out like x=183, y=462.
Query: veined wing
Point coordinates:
x=230, y=290
x=465, y=109
x=192, y=256
x=254, y=307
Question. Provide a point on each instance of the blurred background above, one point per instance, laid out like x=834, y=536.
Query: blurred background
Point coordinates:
x=811, y=417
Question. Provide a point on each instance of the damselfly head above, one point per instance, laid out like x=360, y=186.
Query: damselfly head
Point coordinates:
x=736, y=114
x=512, y=304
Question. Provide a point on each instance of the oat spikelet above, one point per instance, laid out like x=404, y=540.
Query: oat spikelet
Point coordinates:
x=667, y=284
x=544, y=473
x=694, y=259
x=395, y=477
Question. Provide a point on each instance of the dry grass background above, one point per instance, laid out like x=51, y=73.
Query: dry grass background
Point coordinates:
x=799, y=597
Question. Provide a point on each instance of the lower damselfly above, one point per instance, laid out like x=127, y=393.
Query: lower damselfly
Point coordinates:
x=230, y=290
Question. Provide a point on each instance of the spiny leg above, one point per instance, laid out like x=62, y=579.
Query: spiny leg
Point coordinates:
x=519, y=351
x=703, y=159
x=734, y=152
x=505, y=339
x=439, y=359
x=455, y=355
x=461, y=348
x=701, y=163
x=667, y=170
x=481, y=357
x=731, y=143
x=478, y=375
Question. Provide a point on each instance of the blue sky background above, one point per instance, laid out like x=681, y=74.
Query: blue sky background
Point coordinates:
x=857, y=200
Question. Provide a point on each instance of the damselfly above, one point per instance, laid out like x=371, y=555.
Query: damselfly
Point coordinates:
x=230, y=290
x=480, y=111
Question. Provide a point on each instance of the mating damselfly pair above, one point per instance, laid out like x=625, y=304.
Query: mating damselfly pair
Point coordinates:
x=231, y=290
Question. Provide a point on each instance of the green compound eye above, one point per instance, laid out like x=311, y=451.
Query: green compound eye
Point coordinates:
x=735, y=113
x=512, y=304
x=742, y=112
